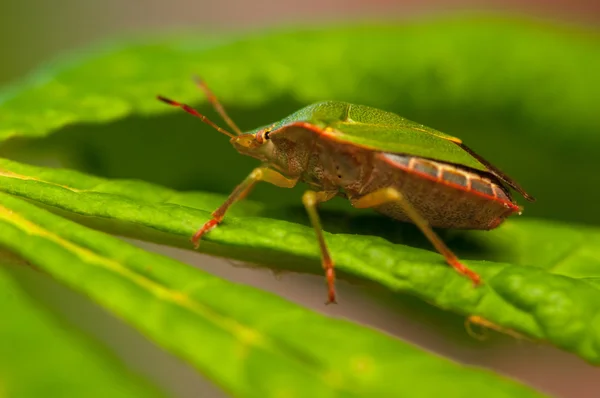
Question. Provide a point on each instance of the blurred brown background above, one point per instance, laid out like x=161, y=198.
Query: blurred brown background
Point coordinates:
x=32, y=32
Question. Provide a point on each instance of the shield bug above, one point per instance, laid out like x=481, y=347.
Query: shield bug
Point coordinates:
x=375, y=159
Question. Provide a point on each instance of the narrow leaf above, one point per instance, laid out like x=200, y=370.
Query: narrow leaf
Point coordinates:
x=249, y=342
x=544, y=294
x=39, y=356
x=311, y=63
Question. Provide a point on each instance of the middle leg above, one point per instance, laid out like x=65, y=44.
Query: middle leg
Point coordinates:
x=311, y=199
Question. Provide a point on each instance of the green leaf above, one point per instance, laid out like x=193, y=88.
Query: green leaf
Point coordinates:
x=253, y=70
x=38, y=357
x=544, y=294
x=249, y=342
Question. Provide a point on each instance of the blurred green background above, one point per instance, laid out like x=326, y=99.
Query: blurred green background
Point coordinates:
x=517, y=120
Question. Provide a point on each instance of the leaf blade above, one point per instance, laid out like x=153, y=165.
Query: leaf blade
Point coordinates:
x=503, y=300
x=256, y=354
x=34, y=346
x=67, y=93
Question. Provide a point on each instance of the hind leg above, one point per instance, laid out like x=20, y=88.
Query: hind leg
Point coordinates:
x=387, y=195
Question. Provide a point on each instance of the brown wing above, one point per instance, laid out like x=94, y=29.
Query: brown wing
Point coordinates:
x=495, y=171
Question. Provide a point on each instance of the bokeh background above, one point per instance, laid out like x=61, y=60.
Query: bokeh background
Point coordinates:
x=33, y=32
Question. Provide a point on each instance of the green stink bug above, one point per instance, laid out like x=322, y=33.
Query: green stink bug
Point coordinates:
x=375, y=159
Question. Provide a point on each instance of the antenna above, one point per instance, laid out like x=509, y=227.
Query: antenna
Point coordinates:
x=194, y=112
x=212, y=98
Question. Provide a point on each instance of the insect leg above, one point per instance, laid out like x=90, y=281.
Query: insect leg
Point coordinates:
x=386, y=195
x=240, y=192
x=311, y=199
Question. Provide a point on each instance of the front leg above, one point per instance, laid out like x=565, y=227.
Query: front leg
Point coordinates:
x=311, y=199
x=240, y=192
x=387, y=195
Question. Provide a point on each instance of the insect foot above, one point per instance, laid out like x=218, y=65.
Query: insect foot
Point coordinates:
x=209, y=225
x=330, y=277
x=462, y=269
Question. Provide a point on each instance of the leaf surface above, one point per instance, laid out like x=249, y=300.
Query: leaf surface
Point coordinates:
x=76, y=90
x=249, y=342
x=39, y=357
x=544, y=294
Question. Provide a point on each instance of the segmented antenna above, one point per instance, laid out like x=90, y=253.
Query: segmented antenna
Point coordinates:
x=194, y=112
x=212, y=98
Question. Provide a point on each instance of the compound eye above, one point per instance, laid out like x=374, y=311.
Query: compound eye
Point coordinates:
x=262, y=136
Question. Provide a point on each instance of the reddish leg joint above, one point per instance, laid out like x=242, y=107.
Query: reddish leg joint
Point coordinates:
x=240, y=192
x=209, y=225
x=462, y=269
x=330, y=276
